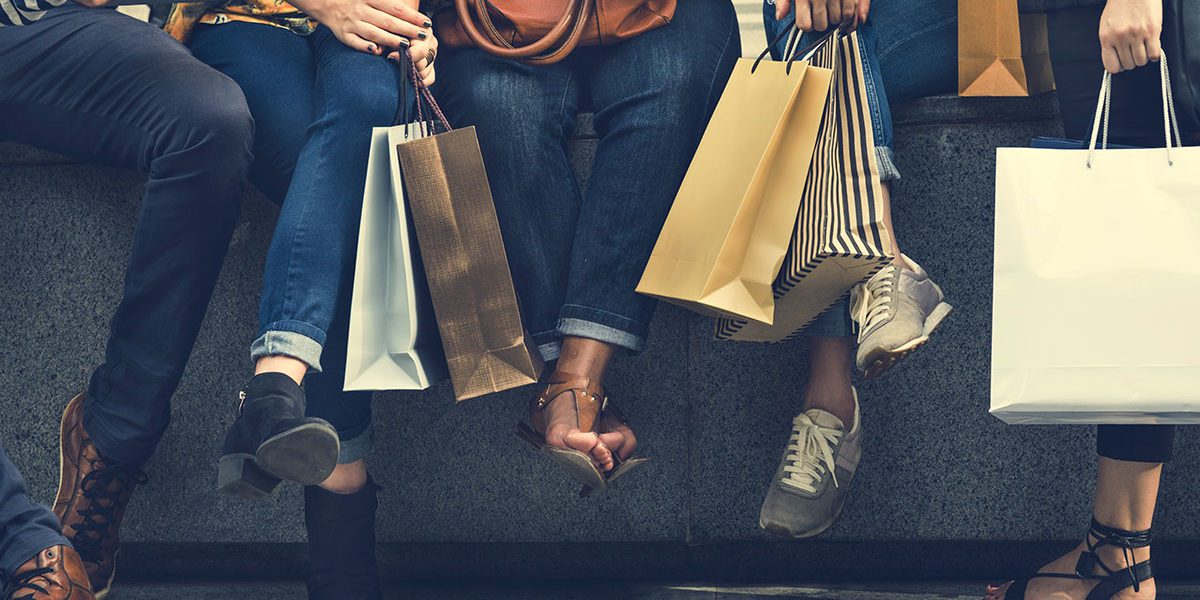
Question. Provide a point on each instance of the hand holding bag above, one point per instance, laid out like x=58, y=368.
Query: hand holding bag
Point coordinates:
x=1095, y=280
x=546, y=31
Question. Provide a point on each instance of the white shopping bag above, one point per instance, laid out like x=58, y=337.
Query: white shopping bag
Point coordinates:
x=394, y=342
x=1096, y=282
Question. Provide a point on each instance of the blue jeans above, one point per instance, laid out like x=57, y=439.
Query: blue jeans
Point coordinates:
x=909, y=49
x=142, y=102
x=26, y=528
x=577, y=255
x=314, y=102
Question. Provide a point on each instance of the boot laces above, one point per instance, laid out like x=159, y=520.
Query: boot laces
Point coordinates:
x=104, y=488
x=809, y=454
x=10, y=585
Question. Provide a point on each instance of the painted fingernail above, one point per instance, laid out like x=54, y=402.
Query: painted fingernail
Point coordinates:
x=428, y=23
x=422, y=35
x=404, y=42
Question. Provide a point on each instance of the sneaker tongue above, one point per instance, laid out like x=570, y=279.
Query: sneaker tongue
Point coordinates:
x=825, y=419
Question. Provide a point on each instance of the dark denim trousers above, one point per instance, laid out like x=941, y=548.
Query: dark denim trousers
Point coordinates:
x=26, y=527
x=577, y=255
x=104, y=88
x=314, y=102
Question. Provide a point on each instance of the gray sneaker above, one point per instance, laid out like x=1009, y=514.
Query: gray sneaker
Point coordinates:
x=813, y=479
x=896, y=311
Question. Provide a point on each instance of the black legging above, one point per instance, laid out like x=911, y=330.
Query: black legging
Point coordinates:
x=1136, y=120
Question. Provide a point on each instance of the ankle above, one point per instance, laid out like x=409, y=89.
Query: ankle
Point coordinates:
x=837, y=400
x=294, y=368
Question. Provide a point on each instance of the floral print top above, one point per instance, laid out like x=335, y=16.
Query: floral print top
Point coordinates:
x=183, y=18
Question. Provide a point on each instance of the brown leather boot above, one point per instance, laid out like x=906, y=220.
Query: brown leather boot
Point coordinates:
x=91, y=501
x=56, y=573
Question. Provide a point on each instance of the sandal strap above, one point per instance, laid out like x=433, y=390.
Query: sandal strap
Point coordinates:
x=1131, y=576
x=587, y=395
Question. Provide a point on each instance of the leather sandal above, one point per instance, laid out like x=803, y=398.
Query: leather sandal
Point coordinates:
x=587, y=398
x=1113, y=580
x=621, y=467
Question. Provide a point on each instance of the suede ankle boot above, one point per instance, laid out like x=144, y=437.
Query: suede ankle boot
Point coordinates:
x=341, y=543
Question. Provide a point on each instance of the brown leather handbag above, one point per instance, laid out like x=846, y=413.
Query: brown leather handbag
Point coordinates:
x=546, y=31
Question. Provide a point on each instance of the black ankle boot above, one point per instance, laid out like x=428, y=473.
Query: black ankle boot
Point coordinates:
x=341, y=544
x=272, y=440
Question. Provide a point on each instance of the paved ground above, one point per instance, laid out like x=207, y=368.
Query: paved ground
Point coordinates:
x=586, y=591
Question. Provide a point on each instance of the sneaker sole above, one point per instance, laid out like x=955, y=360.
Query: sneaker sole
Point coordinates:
x=306, y=454
x=782, y=531
x=882, y=360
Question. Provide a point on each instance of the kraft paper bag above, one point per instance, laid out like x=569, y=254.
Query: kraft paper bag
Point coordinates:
x=486, y=346
x=838, y=238
x=725, y=238
x=393, y=343
x=1002, y=52
x=1094, y=286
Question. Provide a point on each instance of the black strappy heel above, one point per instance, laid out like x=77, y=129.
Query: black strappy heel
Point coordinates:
x=1113, y=580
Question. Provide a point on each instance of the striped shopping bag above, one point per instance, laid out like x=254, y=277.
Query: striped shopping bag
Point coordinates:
x=840, y=239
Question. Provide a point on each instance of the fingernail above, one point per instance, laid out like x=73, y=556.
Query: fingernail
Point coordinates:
x=404, y=43
x=428, y=24
x=422, y=35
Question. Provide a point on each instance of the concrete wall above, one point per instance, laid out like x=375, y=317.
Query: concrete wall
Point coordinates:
x=945, y=490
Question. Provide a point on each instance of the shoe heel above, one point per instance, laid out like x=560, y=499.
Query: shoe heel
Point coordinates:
x=936, y=317
x=238, y=475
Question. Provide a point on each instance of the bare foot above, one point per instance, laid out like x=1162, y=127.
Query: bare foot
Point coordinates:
x=563, y=432
x=1054, y=588
x=616, y=435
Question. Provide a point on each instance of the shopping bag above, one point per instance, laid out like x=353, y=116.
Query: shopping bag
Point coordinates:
x=393, y=342
x=724, y=240
x=838, y=238
x=1002, y=52
x=1095, y=281
x=486, y=346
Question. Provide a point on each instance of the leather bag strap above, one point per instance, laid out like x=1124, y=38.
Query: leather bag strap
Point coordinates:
x=560, y=41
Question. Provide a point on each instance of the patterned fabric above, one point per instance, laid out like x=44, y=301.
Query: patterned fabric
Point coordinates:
x=23, y=12
x=183, y=18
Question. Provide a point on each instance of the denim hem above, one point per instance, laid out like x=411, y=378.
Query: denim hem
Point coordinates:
x=356, y=448
x=113, y=448
x=834, y=322
x=602, y=326
x=285, y=339
x=887, y=164
x=19, y=552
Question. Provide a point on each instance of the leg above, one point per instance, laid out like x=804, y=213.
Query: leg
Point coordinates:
x=26, y=528
x=523, y=113
x=101, y=87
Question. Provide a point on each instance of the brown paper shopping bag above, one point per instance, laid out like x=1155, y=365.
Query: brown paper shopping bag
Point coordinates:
x=486, y=346
x=1000, y=51
x=839, y=238
x=729, y=228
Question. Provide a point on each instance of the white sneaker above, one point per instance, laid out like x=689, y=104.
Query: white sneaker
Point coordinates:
x=896, y=311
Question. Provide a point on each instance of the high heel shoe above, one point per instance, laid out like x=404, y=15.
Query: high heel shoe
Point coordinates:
x=1113, y=580
x=587, y=399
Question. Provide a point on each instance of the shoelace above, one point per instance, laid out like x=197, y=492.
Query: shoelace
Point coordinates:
x=10, y=585
x=98, y=487
x=809, y=454
x=871, y=302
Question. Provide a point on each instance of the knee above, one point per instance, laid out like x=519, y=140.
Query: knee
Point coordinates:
x=216, y=126
x=364, y=106
x=504, y=106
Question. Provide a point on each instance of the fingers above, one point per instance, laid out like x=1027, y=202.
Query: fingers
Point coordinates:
x=394, y=25
x=1108, y=56
x=358, y=43
x=820, y=19
x=864, y=10
x=804, y=15
x=1153, y=49
x=379, y=39
x=1125, y=55
x=849, y=13
x=1139, y=55
x=402, y=11
x=782, y=7
x=833, y=11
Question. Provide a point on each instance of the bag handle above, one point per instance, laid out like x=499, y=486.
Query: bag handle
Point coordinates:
x=561, y=40
x=1104, y=109
x=406, y=73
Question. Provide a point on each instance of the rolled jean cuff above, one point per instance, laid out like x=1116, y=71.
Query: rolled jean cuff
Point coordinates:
x=355, y=448
x=20, y=551
x=294, y=339
x=834, y=322
x=887, y=163
x=602, y=326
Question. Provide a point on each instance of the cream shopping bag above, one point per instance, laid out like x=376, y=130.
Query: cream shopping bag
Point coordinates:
x=393, y=343
x=727, y=233
x=1096, y=281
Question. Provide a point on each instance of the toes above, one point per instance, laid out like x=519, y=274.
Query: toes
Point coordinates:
x=616, y=442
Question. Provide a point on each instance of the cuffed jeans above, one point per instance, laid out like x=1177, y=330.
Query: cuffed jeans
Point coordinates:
x=26, y=528
x=314, y=102
x=101, y=87
x=1136, y=120
x=577, y=255
x=909, y=50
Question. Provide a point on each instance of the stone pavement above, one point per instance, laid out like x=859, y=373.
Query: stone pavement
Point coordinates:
x=593, y=591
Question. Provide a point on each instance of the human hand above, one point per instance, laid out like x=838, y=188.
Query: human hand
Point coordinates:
x=370, y=26
x=423, y=53
x=818, y=15
x=1129, y=34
